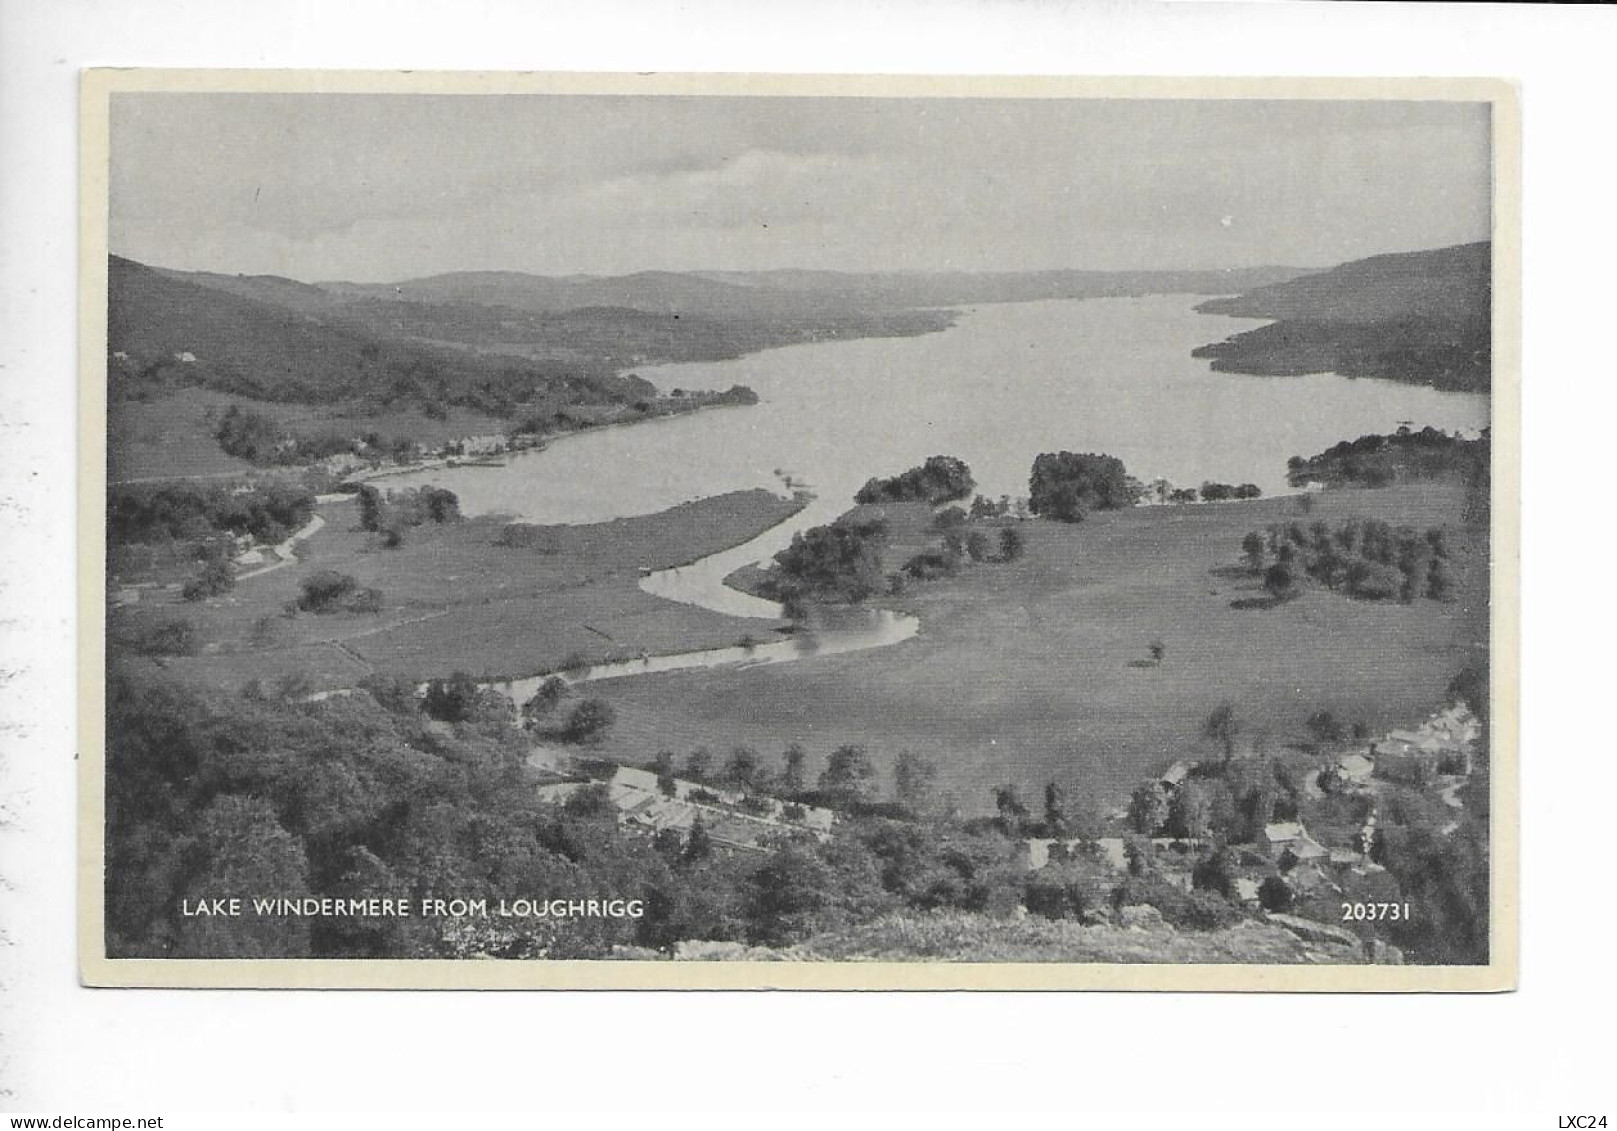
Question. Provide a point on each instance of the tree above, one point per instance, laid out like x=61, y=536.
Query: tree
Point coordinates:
x=451, y=700
x=1279, y=581
x=1188, y=812
x=940, y=479
x=1158, y=650
x=699, y=845
x=244, y=851
x=215, y=577
x=669, y=845
x=699, y=763
x=325, y=591
x=1223, y=727
x=793, y=780
x=663, y=766
x=1253, y=546
x=915, y=782
x=370, y=508
x=977, y=546
x=592, y=802
x=1148, y=808
x=1013, y=812
x=841, y=562
x=442, y=505
x=1064, y=485
x=1275, y=894
x=588, y=721
x=1010, y=544
x=849, y=771
x=1215, y=872
x=1326, y=727
x=742, y=768
x=543, y=701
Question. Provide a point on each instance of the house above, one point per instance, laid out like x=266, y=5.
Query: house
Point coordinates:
x=1175, y=775
x=1289, y=837
x=480, y=445
x=1356, y=768
x=642, y=803
x=645, y=781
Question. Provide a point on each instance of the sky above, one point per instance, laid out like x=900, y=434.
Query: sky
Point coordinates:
x=377, y=188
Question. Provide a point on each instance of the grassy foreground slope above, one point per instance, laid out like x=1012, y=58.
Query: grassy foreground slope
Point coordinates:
x=1031, y=671
x=1419, y=317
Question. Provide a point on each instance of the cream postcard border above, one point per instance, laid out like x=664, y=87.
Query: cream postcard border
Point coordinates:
x=96, y=969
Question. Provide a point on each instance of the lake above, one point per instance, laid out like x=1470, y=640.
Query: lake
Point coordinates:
x=1110, y=375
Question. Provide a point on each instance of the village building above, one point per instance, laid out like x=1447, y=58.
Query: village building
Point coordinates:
x=1284, y=840
x=1174, y=776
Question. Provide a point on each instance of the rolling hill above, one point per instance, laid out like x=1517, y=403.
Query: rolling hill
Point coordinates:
x=1418, y=317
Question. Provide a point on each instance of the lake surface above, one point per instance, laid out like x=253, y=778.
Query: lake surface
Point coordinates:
x=1009, y=381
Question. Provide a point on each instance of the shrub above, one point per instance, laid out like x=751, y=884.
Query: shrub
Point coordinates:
x=323, y=592
x=589, y=721
x=451, y=700
x=177, y=637
x=216, y=577
x=1010, y=544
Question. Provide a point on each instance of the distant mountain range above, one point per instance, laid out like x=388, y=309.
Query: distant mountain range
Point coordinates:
x=794, y=294
x=1419, y=317
x=497, y=340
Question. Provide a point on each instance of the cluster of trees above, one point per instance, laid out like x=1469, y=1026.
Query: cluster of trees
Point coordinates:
x=1068, y=485
x=215, y=577
x=328, y=591
x=1223, y=492
x=1375, y=460
x=1367, y=558
x=1003, y=507
x=357, y=796
x=361, y=795
x=941, y=479
x=840, y=562
x=190, y=512
x=258, y=438
x=1163, y=491
x=959, y=544
x=395, y=512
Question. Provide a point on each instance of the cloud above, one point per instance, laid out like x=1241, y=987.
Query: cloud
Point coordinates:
x=378, y=187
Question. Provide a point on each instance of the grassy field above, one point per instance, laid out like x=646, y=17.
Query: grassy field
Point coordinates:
x=1036, y=670
x=455, y=597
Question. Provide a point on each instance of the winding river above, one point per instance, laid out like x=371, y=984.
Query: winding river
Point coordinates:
x=1007, y=382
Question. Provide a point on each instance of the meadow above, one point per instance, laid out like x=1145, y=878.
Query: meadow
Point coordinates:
x=1039, y=669
x=467, y=596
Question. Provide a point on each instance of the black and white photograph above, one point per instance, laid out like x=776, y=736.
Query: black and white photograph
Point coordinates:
x=697, y=531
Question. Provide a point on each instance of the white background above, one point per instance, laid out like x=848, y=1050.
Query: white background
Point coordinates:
x=1545, y=1049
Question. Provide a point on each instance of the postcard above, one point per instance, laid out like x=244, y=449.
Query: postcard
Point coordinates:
x=760, y=531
